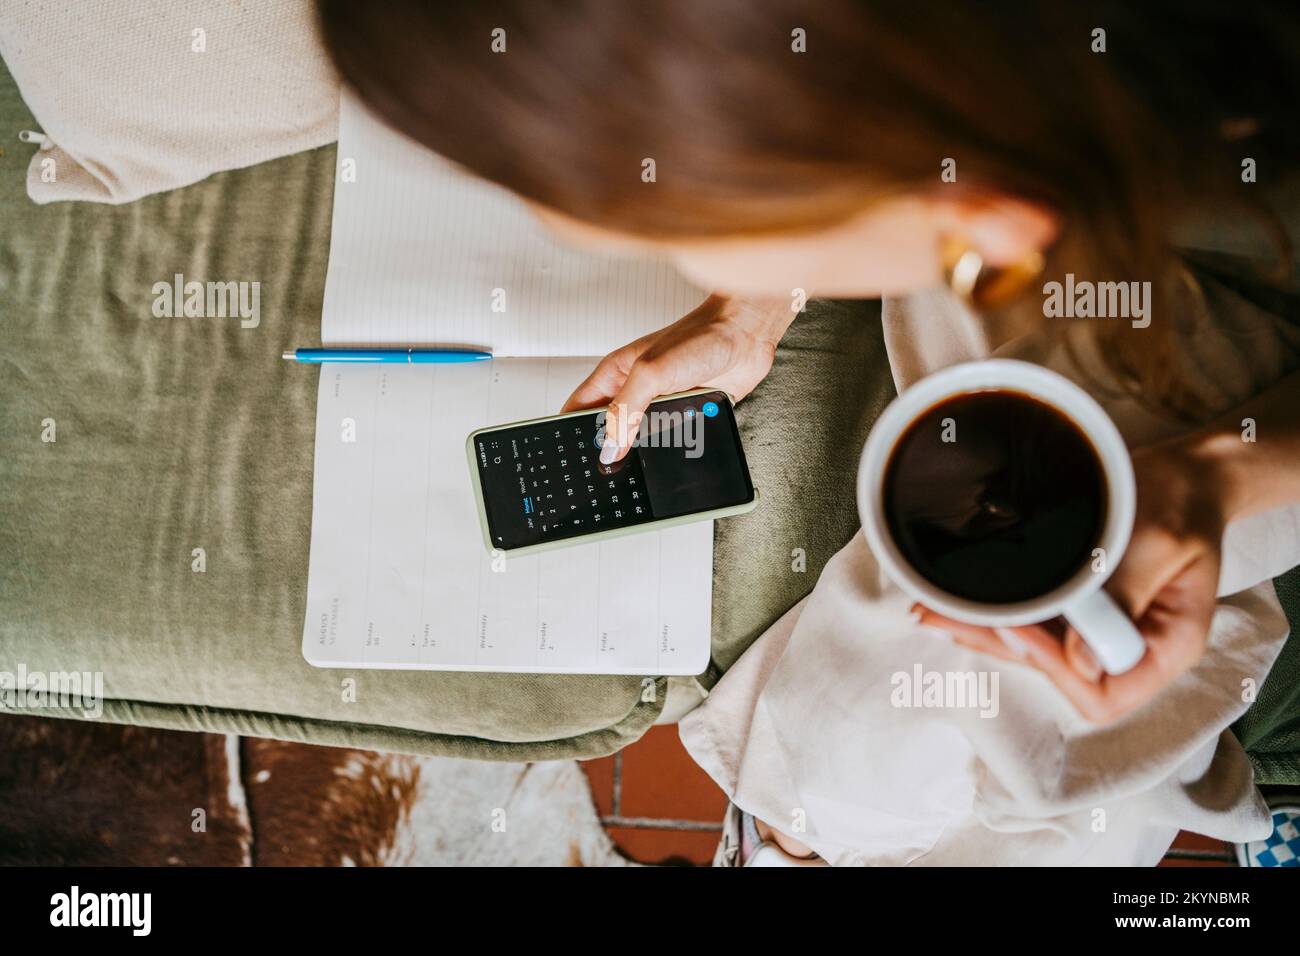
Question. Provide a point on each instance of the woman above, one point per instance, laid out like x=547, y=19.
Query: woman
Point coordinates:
x=855, y=149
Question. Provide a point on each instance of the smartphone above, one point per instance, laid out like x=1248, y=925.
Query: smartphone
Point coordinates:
x=539, y=484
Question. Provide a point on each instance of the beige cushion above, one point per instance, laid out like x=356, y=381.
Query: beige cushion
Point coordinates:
x=140, y=97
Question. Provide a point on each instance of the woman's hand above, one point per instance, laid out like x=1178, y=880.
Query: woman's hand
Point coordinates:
x=725, y=343
x=1166, y=583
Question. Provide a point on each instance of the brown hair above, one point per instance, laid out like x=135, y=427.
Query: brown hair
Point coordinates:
x=749, y=135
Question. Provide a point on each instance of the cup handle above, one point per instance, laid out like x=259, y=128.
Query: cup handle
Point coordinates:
x=1108, y=631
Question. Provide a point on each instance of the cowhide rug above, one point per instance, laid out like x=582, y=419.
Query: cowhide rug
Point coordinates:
x=74, y=792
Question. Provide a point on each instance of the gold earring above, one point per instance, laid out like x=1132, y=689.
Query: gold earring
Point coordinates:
x=982, y=286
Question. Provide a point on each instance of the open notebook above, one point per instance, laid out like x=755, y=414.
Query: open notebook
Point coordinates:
x=399, y=577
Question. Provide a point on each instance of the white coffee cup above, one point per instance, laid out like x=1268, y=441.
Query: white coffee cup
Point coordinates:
x=1106, y=629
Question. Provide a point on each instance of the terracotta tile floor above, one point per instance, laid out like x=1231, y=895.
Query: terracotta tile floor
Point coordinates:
x=1192, y=849
x=659, y=807
x=656, y=804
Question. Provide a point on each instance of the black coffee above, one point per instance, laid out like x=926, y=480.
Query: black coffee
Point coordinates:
x=994, y=496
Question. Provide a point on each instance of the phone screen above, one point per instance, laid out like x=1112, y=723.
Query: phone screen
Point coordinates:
x=544, y=482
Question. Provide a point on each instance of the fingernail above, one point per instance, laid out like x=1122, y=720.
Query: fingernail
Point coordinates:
x=935, y=631
x=914, y=615
x=1012, y=640
x=608, y=449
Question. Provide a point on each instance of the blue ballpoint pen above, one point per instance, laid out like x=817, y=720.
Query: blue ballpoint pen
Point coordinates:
x=388, y=356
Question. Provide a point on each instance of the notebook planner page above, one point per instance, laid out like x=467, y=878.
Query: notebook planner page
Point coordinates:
x=422, y=253
x=400, y=576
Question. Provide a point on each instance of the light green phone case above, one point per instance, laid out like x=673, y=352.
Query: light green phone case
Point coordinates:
x=656, y=525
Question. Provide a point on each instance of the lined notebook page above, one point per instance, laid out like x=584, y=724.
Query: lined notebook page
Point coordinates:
x=399, y=576
x=424, y=253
